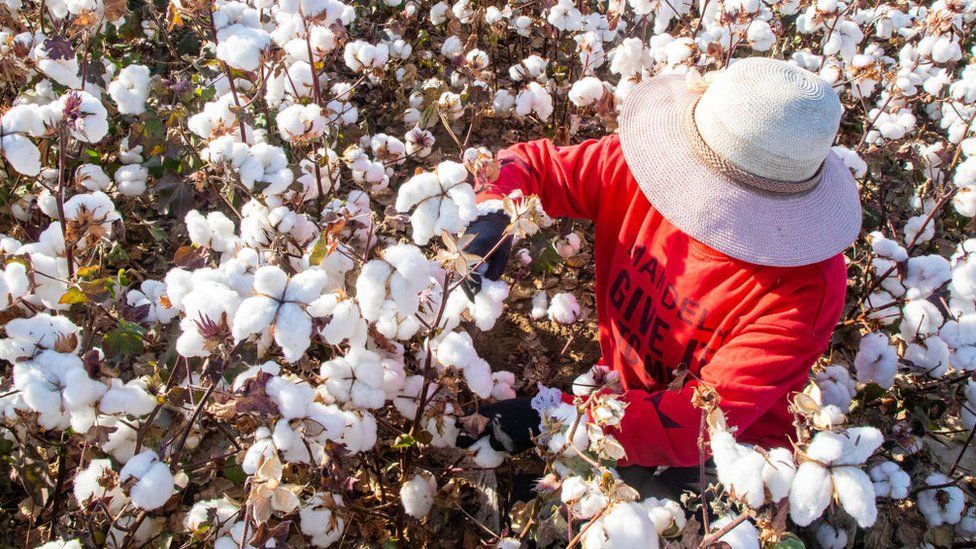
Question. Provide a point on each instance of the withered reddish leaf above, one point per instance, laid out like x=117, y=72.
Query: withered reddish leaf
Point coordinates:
x=58, y=48
x=255, y=399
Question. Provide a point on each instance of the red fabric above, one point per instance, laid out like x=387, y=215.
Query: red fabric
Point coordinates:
x=663, y=299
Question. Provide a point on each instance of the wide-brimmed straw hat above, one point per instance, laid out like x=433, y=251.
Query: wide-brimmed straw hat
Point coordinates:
x=741, y=161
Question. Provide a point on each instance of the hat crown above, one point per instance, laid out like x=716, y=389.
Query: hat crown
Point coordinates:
x=770, y=118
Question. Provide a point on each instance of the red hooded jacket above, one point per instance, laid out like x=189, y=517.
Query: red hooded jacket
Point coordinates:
x=664, y=299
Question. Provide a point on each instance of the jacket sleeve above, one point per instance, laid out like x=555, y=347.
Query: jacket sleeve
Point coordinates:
x=567, y=180
x=754, y=370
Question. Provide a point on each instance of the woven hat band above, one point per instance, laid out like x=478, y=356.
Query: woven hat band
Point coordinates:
x=716, y=162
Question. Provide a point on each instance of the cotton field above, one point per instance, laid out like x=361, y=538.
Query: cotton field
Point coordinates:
x=236, y=299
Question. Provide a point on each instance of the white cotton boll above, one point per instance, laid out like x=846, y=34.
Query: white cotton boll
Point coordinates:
x=743, y=536
x=625, y=526
x=856, y=494
x=89, y=486
x=14, y=284
x=211, y=515
x=919, y=229
x=85, y=115
x=365, y=57
x=925, y=274
x=890, y=481
x=968, y=411
x=92, y=177
x=131, y=179
x=967, y=526
x=417, y=495
x=293, y=399
x=485, y=456
x=320, y=520
x=444, y=201
x=130, y=89
x=21, y=154
x=503, y=103
x=452, y=47
x=132, y=398
x=504, y=382
x=241, y=46
x=941, y=505
x=929, y=356
x=153, y=480
x=489, y=303
x=568, y=246
x=886, y=247
x=920, y=318
x=830, y=538
x=540, y=305
x=811, y=493
x=760, y=35
x=586, y=91
x=740, y=468
x=834, y=386
x=584, y=498
x=629, y=58
x=563, y=308
x=852, y=160
x=565, y=17
x=534, y=98
x=778, y=472
x=667, y=515
x=876, y=360
x=300, y=122
x=456, y=350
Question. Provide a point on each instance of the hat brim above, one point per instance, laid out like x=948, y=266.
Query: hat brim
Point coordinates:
x=761, y=227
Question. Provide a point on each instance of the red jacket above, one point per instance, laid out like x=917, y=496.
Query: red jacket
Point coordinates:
x=664, y=299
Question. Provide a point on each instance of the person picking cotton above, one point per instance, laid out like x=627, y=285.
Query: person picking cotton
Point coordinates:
x=721, y=215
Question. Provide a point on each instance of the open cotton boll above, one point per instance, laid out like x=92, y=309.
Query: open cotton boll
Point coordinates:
x=130, y=89
x=968, y=412
x=131, y=399
x=925, y=274
x=489, y=303
x=92, y=177
x=442, y=200
x=855, y=491
x=503, y=383
x=85, y=116
x=743, y=536
x=920, y=318
x=97, y=482
x=280, y=302
x=586, y=91
x=667, y=515
x=62, y=69
x=739, y=467
x=211, y=515
x=876, y=361
x=534, y=99
x=585, y=498
x=21, y=154
x=563, y=308
x=540, y=305
x=361, y=56
x=929, y=356
x=778, y=472
x=61, y=544
x=485, y=456
x=624, y=526
x=241, y=46
x=417, y=495
x=153, y=480
x=456, y=350
x=293, y=399
x=890, y=481
x=811, y=493
x=300, y=122
x=131, y=179
x=565, y=415
x=14, y=284
x=320, y=520
x=357, y=377
x=830, y=538
x=833, y=386
x=941, y=505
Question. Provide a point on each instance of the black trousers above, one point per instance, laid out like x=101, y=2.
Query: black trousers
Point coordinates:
x=666, y=482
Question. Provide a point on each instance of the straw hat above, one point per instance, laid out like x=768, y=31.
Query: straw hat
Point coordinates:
x=740, y=160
